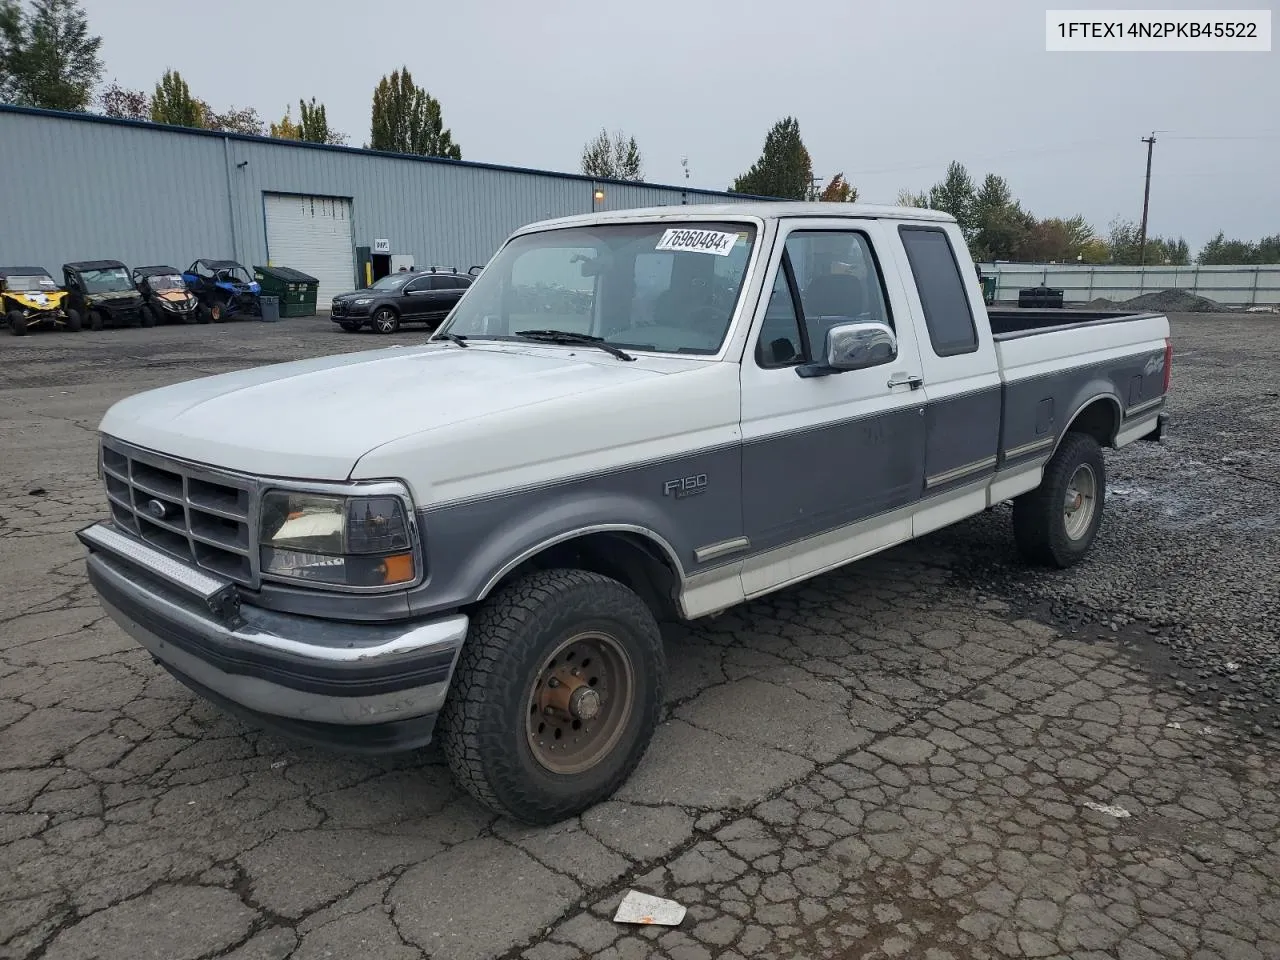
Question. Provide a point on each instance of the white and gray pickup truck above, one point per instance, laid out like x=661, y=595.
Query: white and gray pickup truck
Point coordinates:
x=630, y=418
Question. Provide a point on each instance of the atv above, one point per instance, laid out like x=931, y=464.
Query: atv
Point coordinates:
x=226, y=288
x=166, y=295
x=104, y=295
x=30, y=300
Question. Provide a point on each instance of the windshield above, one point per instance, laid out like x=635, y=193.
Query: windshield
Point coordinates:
x=235, y=274
x=29, y=284
x=392, y=281
x=166, y=281
x=111, y=280
x=669, y=288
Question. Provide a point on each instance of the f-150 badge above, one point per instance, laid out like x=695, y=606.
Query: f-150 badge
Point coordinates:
x=685, y=486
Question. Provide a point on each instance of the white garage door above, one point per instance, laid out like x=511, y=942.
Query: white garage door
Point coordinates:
x=314, y=235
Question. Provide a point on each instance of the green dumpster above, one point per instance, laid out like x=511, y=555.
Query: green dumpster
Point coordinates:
x=295, y=289
x=988, y=290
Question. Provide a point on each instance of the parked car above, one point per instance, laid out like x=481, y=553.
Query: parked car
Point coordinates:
x=102, y=292
x=226, y=288
x=31, y=300
x=424, y=296
x=167, y=297
x=632, y=417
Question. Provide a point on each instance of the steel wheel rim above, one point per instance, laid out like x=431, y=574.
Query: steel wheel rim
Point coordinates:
x=590, y=670
x=1080, y=502
x=384, y=320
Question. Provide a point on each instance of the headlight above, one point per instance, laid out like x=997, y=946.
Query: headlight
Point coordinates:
x=347, y=541
x=363, y=301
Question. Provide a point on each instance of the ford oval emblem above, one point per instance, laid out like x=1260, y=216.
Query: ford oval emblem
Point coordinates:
x=156, y=509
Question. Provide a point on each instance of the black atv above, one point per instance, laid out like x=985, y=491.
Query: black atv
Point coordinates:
x=166, y=296
x=102, y=292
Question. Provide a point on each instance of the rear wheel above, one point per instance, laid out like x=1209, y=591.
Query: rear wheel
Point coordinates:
x=96, y=321
x=556, y=695
x=73, y=321
x=1056, y=523
x=386, y=320
x=17, y=323
x=215, y=312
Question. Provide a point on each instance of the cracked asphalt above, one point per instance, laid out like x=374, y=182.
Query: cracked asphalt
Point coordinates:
x=933, y=754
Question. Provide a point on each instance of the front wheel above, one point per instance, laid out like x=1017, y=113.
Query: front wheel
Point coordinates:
x=556, y=695
x=1055, y=524
x=215, y=312
x=73, y=321
x=17, y=323
x=96, y=321
x=386, y=320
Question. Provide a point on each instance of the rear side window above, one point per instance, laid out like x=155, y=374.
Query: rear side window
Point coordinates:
x=942, y=291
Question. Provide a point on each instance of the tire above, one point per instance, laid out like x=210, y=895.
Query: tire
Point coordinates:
x=73, y=321
x=491, y=724
x=385, y=320
x=203, y=315
x=17, y=323
x=216, y=312
x=146, y=316
x=95, y=320
x=1047, y=531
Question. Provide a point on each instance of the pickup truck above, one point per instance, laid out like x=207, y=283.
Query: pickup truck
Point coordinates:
x=629, y=418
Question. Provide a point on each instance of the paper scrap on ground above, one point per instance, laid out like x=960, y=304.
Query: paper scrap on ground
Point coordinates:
x=637, y=907
x=698, y=241
x=1108, y=809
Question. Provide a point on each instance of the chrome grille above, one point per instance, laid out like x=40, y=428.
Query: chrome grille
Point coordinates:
x=203, y=516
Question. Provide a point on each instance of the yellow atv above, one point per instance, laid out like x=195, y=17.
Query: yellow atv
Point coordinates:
x=29, y=299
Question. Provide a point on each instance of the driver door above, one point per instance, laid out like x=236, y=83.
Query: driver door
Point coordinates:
x=417, y=297
x=831, y=465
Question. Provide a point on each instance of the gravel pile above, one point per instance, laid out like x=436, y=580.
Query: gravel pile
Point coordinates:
x=1186, y=570
x=1161, y=301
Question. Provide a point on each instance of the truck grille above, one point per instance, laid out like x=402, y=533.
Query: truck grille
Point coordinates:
x=197, y=514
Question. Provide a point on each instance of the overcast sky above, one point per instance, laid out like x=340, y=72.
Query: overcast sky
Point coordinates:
x=887, y=91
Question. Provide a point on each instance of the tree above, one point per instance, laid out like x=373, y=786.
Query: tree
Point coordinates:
x=172, y=102
x=1222, y=251
x=118, y=101
x=955, y=195
x=236, y=120
x=615, y=156
x=907, y=198
x=407, y=119
x=314, y=124
x=1126, y=246
x=48, y=58
x=1000, y=225
x=286, y=129
x=784, y=169
x=839, y=190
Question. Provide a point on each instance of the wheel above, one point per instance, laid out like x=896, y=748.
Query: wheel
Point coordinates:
x=215, y=312
x=556, y=695
x=95, y=320
x=203, y=315
x=386, y=320
x=146, y=315
x=73, y=321
x=17, y=323
x=1056, y=523
x=348, y=326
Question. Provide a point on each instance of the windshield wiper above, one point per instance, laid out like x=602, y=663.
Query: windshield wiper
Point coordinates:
x=457, y=338
x=566, y=336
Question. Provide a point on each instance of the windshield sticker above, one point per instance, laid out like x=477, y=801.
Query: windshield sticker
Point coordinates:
x=698, y=241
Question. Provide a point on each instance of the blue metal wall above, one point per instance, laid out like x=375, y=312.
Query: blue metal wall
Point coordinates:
x=77, y=187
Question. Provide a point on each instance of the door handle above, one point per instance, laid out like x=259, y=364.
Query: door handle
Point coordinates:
x=906, y=380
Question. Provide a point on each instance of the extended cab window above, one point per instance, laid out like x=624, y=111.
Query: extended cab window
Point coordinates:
x=668, y=287
x=942, y=291
x=835, y=279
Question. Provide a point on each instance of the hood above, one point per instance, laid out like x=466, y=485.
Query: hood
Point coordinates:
x=314, y=419
x=114, y=297
x=38, y=299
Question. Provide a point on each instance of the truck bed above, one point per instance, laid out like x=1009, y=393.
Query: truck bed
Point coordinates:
x=1010, y=324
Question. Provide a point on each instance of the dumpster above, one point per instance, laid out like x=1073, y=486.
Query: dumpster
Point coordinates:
x=1040, y=297
x=270, y=308
x=295, y=290
x=988, y=290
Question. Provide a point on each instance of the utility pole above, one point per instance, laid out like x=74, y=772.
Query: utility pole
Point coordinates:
x=1146, y=201
x=814, y=183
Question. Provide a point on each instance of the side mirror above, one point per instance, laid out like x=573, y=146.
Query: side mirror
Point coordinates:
x=854, y=346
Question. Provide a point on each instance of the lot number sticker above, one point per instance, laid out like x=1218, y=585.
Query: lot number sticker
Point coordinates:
x=698, y=241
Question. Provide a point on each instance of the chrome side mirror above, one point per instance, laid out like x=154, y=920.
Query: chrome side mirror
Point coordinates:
x=854, y=346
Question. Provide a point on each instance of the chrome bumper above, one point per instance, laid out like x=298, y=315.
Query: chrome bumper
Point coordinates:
x=313, y=675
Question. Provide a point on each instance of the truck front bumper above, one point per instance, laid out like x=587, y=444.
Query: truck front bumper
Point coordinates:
x=366, y=688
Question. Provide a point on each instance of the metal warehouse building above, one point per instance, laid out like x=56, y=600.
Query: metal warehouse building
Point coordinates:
x=85, y=187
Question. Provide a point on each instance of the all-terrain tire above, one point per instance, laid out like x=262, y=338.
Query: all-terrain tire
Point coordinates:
x=146, y=315
x=17, y=323
x=483, y=724
x=1040, y=523
x=74, y=322
x=96, y=321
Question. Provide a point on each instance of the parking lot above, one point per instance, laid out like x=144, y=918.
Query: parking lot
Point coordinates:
x=934, y=754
